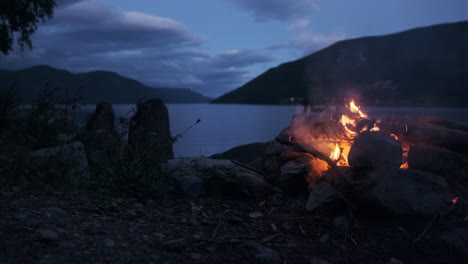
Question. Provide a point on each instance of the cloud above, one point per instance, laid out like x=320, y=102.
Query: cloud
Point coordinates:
x=299, y=25
x=308, y=42
x=265, y=10
x=88, y=35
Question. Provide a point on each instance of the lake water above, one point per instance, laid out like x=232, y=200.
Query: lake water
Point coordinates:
x=225, y=126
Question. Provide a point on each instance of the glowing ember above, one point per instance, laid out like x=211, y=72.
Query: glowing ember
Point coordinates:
x=455, y=200
x=404, y=166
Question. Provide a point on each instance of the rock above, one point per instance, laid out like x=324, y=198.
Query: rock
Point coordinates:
x=220, y=177
x=342, y=222
x=298, y=174
x=149, y=131
x=54, y=211
x=73, y=154
x=263, y=254
x=437, y=160
x=100, y=140
x=175, y=244
x=103, y=118
x=323, y=195
x=375, y=149
x=407, y=192
x=395, y=261
x=324, y=238
x=109, y=243
x=100, y=159
x=48, y=235
x=191, y=187
x=195, y=256
x=317, y=260
x=455, y=239
x=244, y=153
x=65, y=138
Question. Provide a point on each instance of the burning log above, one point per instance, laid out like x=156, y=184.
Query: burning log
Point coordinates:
x=430, y=131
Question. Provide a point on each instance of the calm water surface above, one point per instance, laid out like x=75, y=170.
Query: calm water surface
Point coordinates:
x=225, y=126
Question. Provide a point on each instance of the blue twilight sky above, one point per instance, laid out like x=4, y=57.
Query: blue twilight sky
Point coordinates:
x=212, y=46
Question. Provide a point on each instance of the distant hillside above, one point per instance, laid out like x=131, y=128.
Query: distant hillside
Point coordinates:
x=423, y=66
x=92, y=86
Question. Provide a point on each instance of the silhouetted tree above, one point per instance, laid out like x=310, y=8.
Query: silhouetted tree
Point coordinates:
x=19, y=18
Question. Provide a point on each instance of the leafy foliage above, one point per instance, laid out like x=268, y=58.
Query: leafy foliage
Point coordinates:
x=22, y=16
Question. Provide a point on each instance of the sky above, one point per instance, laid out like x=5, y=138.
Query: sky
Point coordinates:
x=212, y=46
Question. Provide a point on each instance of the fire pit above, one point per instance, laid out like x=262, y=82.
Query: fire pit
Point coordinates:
x=384, y=164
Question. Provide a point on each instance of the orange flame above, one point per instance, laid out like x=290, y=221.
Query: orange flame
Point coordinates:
x=335, y=155
x=355, y=109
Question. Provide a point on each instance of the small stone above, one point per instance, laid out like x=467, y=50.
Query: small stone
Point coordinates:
x=195, y=256
x=109, y=243
x=395, y=261
x=264, y=254
x=174, y=244
x=196, y=210
x=324, y=238
x=317, y=260
x=194, y=221
x=138, y=206
x=49, y=235
x=54, y=211
x=342, y=222
x=159, y=236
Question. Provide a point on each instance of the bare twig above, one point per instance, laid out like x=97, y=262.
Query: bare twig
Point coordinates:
x=269, y=238
x=434, y=218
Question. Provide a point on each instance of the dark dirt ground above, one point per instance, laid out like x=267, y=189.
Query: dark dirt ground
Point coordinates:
x=52, y=227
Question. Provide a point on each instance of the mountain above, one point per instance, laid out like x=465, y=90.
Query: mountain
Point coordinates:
x=91, y=86
x=422, y=66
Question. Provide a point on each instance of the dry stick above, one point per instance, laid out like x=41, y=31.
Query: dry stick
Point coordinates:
x=427, y=227
x=246, y=167
x=269, y=238
x=215, y=233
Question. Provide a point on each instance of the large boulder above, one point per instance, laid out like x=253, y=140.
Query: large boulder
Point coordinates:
x=244, y=153
x=323, y=196
x=198, y=177
x=405, y=192
x=438, y=160
x=375, y=149
x=297, y=175
x=149, y=133
x=102, y=118
x=100, y=137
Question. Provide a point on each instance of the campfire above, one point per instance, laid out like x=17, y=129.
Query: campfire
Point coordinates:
x=411, y=165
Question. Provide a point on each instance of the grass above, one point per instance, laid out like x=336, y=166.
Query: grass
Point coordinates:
x=130, y=172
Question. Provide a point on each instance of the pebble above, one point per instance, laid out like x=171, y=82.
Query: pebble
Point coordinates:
x=194, y=221
x=342, y=222
x=195, y=256
x=49, y=235
x=324, y=238
x=109, y=243
x=54, y=211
